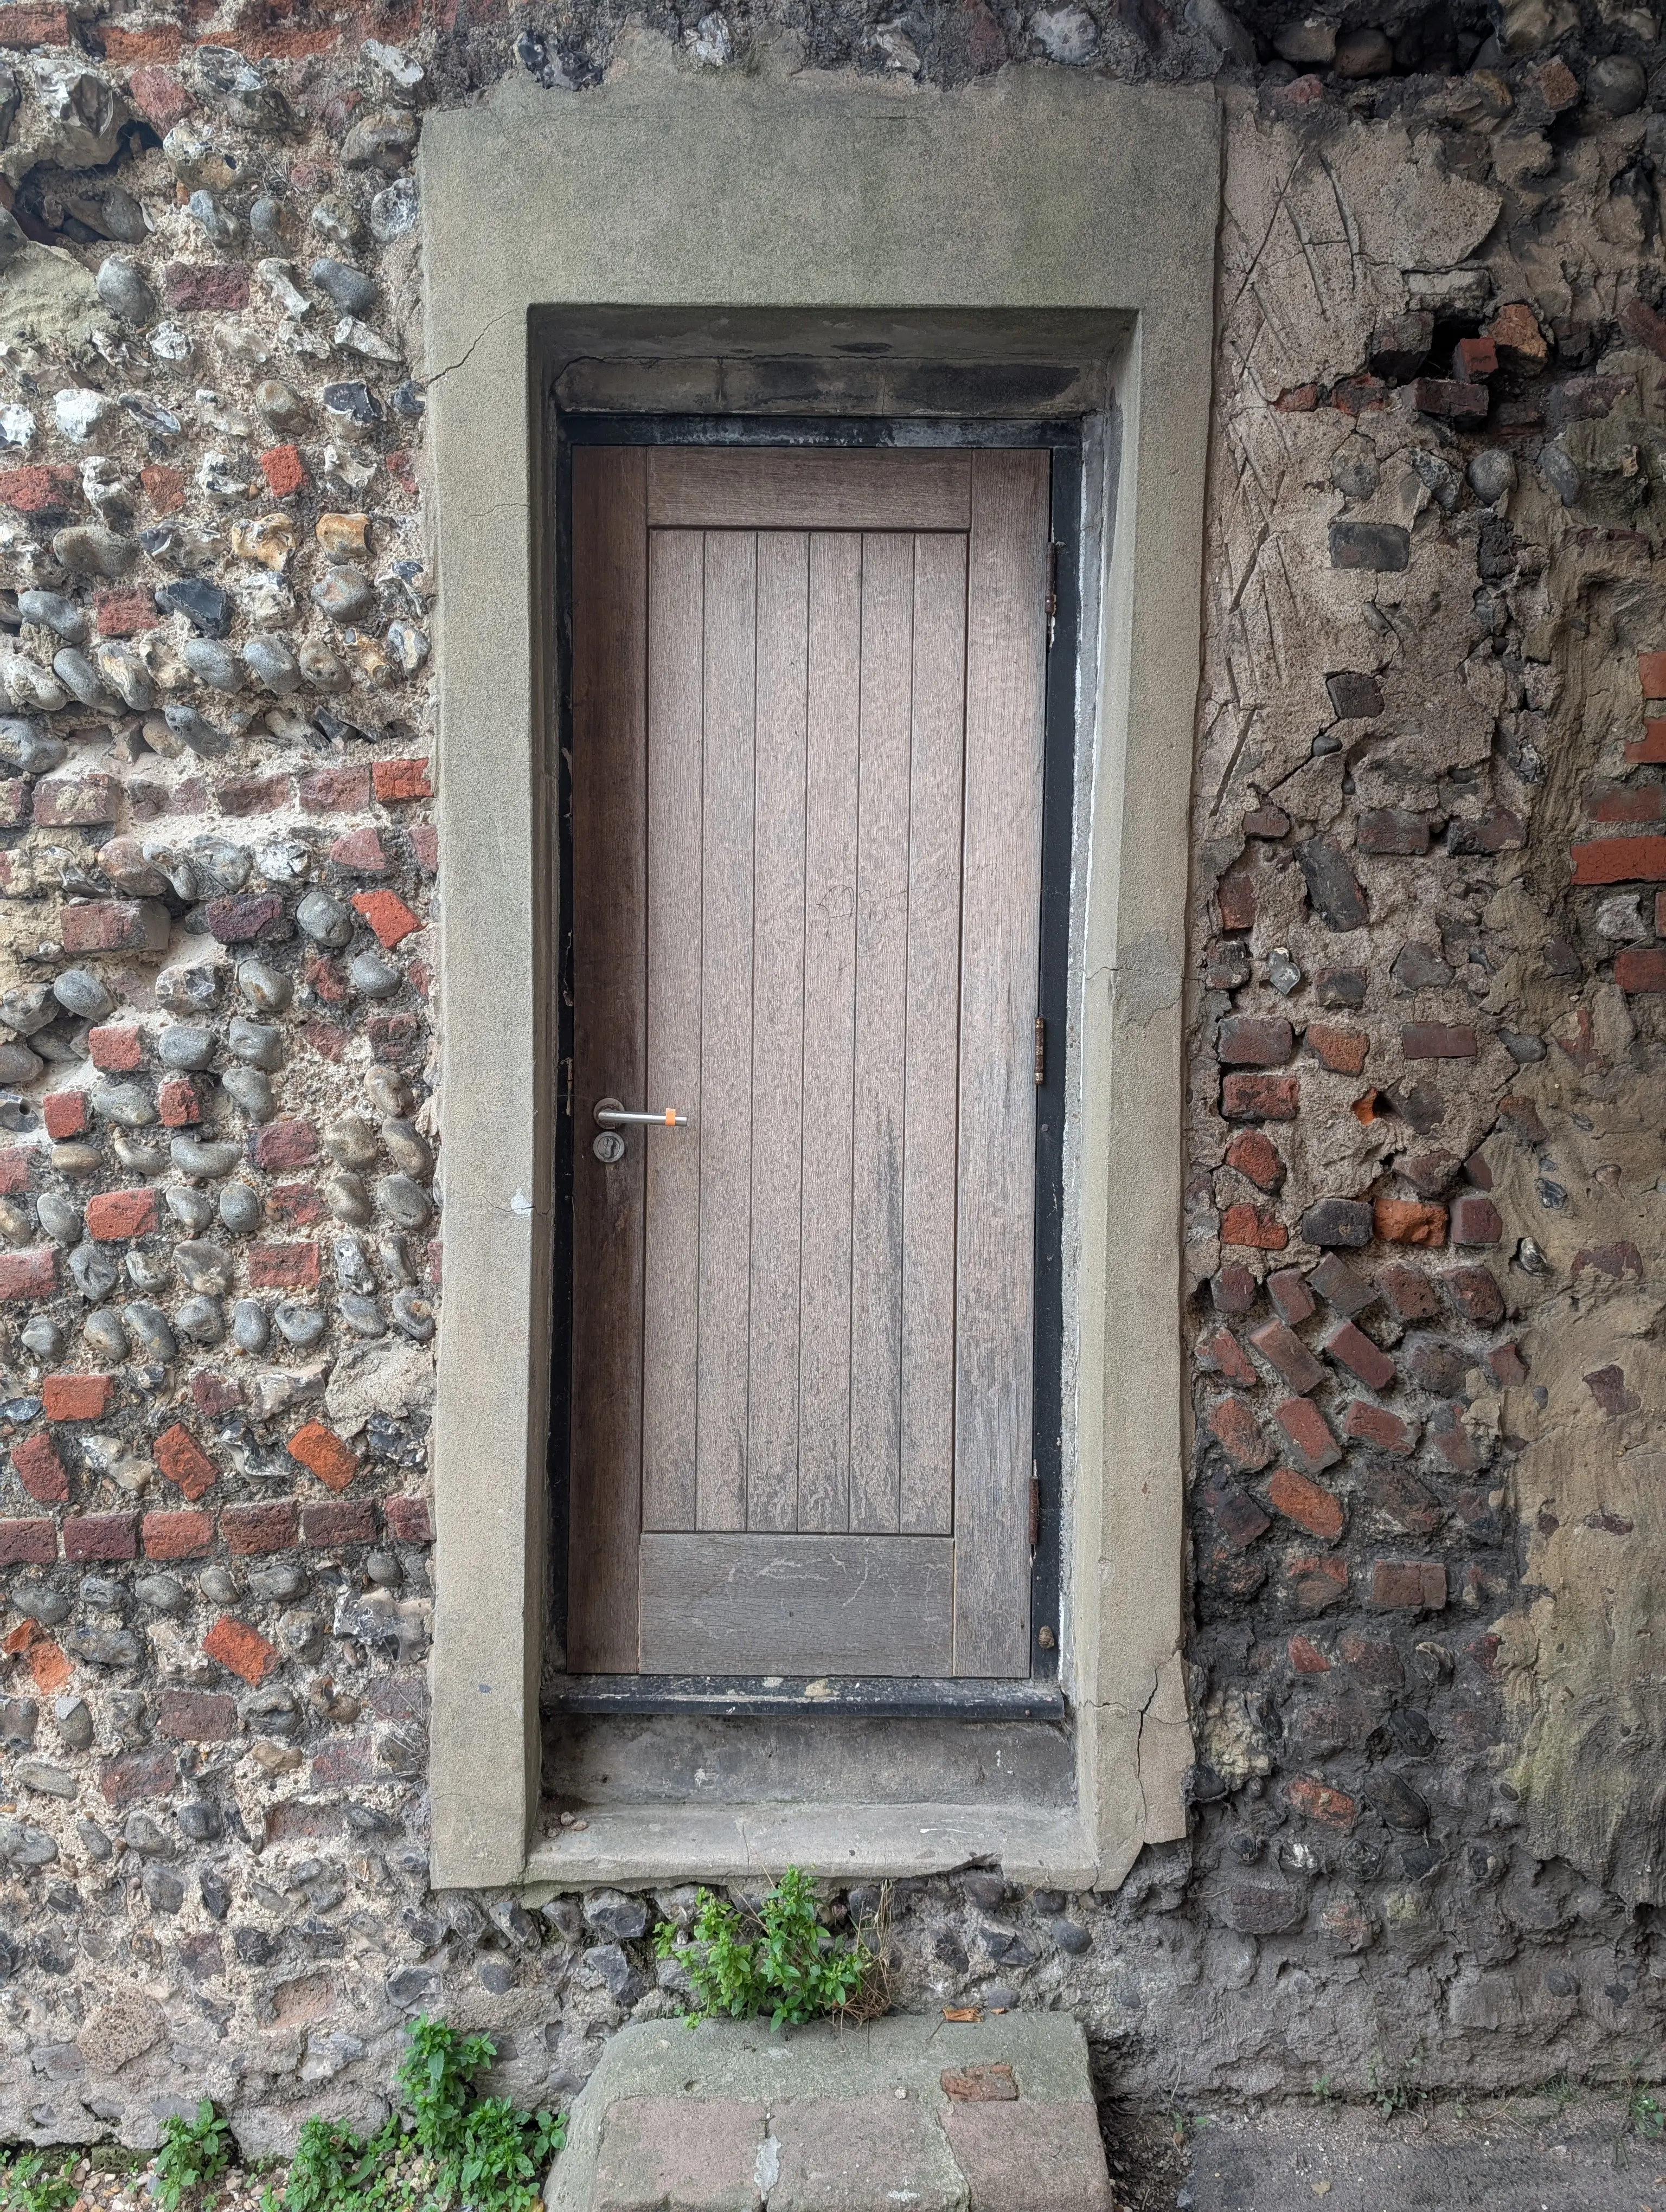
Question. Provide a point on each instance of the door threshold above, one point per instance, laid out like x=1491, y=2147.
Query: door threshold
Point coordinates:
x=867, y=1697
x=660, y=1845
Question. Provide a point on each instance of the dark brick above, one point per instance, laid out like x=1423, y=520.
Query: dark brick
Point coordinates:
x=1254, y=1040
x=1235, y=895
x=1382, y=547
x=114, y=926
x=339, y=1521
x=1354, y=697
x=193, y=287
x=1452, y=401
x=1352, y=1349
x=138, y=1778
x=1334, y=1221
x=1311, y=1445
x=1409, y=1291
x=1233, y=1289
x=1408, y=1585
x=1333, y=891
x=196, y=1716
x=253, y=917
x=1429, y=1173
x=1311, y=1585
x=1342, y=1286
x=1474, y=1295
x=1507, y=1365
x=1434, y=1365
x=1393, y=830
x=1437, y=1040
x=1292, y=1301
x=27, y=1543
x=249, y=1529
x=1238, y=1516
x=282, y=1145
x=1640, y=969
x=1455, y=1445
x=1261, y=1098
x=1372, y=1659
x=1496, y=830
x=407, y=1521
x=101, y=1536
x=1284, y=1351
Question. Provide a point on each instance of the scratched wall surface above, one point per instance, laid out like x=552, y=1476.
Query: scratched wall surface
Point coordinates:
x=1425, y=1135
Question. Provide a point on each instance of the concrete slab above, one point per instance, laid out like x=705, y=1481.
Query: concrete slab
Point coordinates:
x=730, y=2117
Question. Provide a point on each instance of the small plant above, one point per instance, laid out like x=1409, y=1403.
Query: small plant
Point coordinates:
x=1323, y=2094
x=1395, y=2092
x=790, y=1968
x=1642, y=2115
x=193, y=2154
x=33, y=2183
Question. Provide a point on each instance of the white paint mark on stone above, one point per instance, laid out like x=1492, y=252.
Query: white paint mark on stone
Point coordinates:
x=766, y=2167
x=521, y=1204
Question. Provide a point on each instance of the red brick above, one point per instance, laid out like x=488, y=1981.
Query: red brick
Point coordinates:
x=178, y=1535
x=16, y=802
x=396, y=781
x=1317, y=1800
x=395, y=1040
x=1647, y=751
x=1309, y=1440
x=71, y=802
x=185, y=1463
x=1352, y=1349
x=1343, y=1051
x=115, y=1215
x=284, y=470
x=1253, y=1226
x=1454, y=1445
x=321, y=1450
x=198, y=287
x=101, y=1536
x=1507, y=1365
x=1652, y=674
x=76, y=1397
x=1621, y=861
x=37, y=1466
x=1473, y=359
x=1237, y=896
x=196, y=1716
x=1283, y=1350
x=1627, y=802
x=241, y=1649
x=1222, y=1354
x=1408, y=1585
x=27, y=1543
x=36, y=23
x=114, y=926
x=1233, y=1289
x=292, y=1205
x=283, y=1144
x=284, y=1266
x=1437, y=1040
x=252, y=918
x=1256, y=1156
x=14, y=1169
x=1313, y=1584
x=178, y=1103
x=330, y=1039
x=1310, y=1508
x=1259, y=1097
x=31, y=1274
x=166, y=491
x=37, y=490
x=359, y=852
x=251, y=1529
x=388, y=916
x=1384, y=1431
x=406, y=1520
x=1408, y=1290
x=126, y=609
x=1233, y=1425
x=334, y=791
x=1475, y=1220
x=1254, y=1040
x=251, y=794
x=1391, y=832
x=1409, y=1221
x=425, y=847
x=213, y=1394
x=1306, y=1657
x=65, y=1112
x=339, y=1521
x=1641, y=968
x=116, y=1048
x=327, y=978
x=138, y=1776
x=1293, y=1300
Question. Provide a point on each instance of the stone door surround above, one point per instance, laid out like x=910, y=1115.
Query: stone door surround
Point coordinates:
x=1038, y=192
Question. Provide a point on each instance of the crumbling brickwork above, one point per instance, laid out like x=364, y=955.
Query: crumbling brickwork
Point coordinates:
x=1428, y=974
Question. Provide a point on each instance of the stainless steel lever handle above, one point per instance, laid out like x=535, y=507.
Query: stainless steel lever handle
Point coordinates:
x=612, y=1115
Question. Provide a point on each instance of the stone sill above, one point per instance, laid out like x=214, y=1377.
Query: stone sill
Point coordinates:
x=644, y=1846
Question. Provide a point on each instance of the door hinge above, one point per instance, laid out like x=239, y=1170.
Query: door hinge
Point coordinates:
x=1052, y=590
x=1035, y=1513
x=1041, y=1049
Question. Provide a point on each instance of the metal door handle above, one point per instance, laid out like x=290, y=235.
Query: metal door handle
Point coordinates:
x=611, y=1116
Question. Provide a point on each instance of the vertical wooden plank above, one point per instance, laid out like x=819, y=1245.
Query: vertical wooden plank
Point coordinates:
x=829, y=1018
x=772, y=1397
x=999, y=951
x=672, y=1271
x=609, y=957
x=931, y=1102
x=725, y=1026
x=882, y=895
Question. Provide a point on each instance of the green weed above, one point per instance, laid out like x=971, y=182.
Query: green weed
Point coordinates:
x=1397, y=2091
x=779, y=1960
x=37, y=2181
x=1323, y=2093
x=193, y=2154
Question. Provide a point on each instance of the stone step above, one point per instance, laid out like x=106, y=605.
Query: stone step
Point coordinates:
x=912, y=2113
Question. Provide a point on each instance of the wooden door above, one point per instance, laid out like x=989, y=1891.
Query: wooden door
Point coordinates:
x=808, y=716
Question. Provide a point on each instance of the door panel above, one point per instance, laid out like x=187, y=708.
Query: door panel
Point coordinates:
x=814, y=1449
